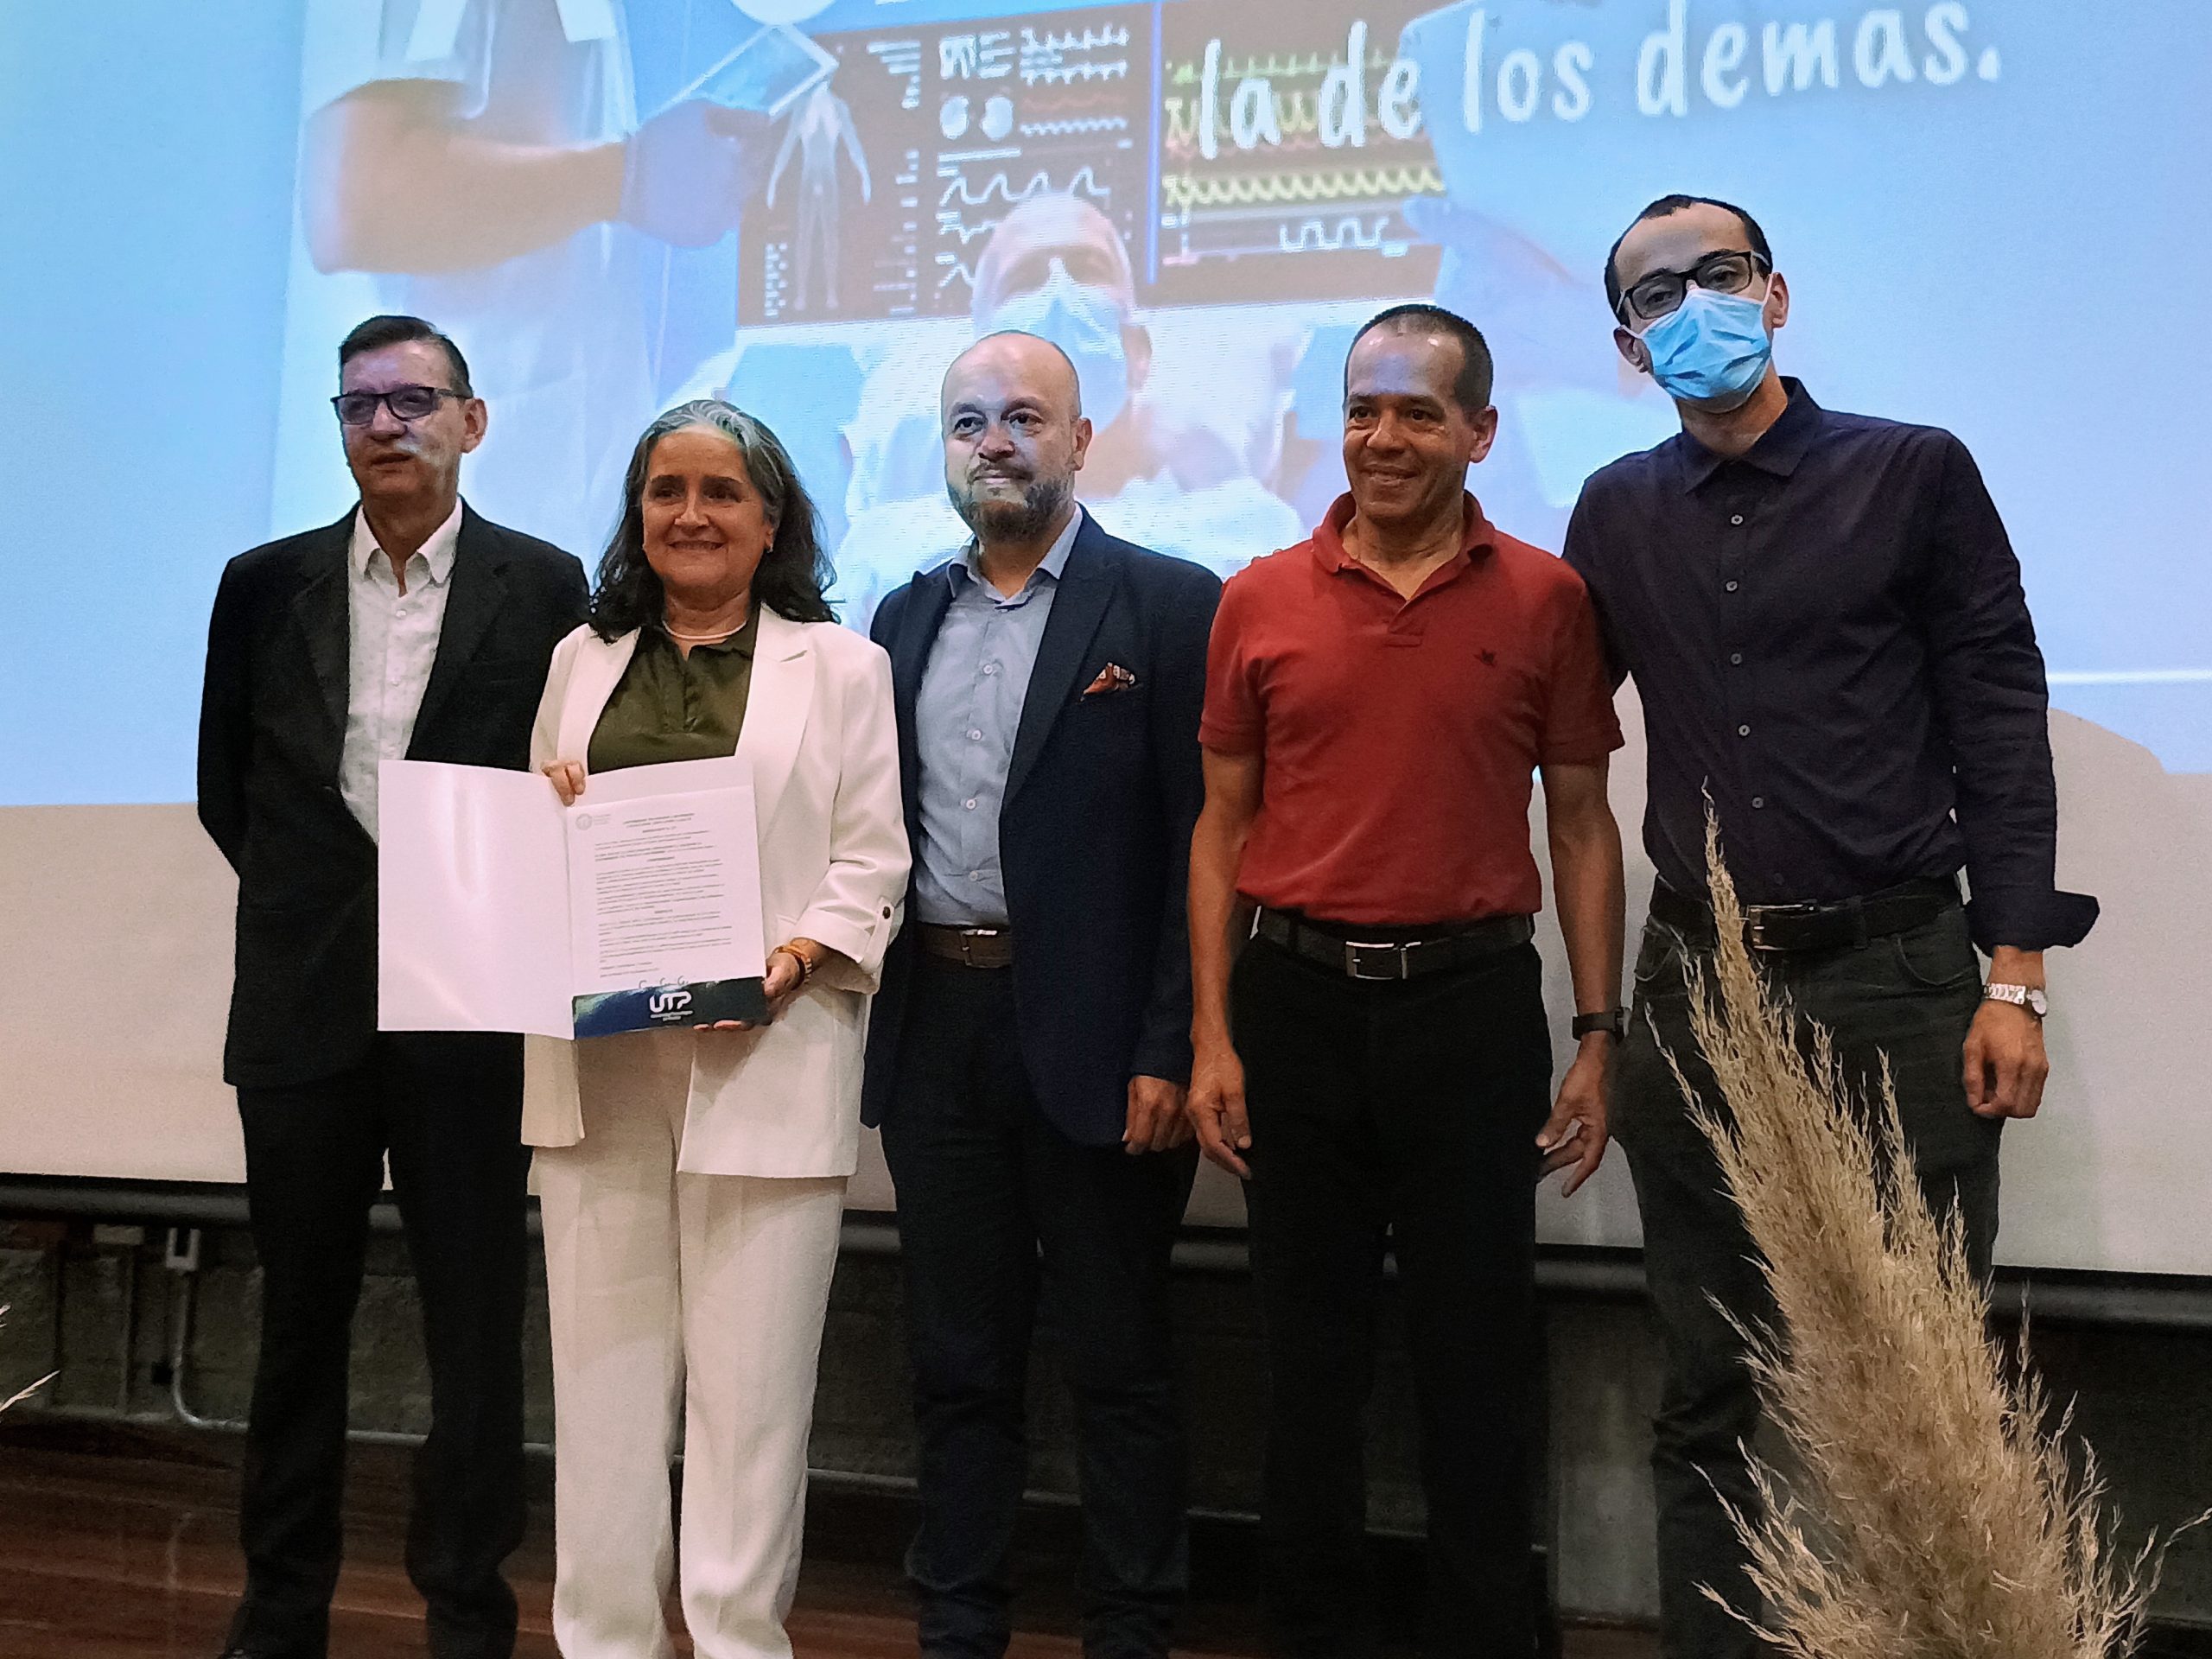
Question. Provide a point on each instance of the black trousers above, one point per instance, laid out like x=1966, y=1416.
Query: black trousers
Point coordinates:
x=997, y=1208
x=447, y=1109
x=1912, y=997
x=1403, y=1112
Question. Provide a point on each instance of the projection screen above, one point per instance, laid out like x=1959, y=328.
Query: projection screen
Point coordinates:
x=1990, y=214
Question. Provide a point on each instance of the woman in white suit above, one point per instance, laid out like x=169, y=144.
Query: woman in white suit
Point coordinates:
x=693, y=1180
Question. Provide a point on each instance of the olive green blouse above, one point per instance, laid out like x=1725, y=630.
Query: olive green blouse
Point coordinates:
x=670, y=707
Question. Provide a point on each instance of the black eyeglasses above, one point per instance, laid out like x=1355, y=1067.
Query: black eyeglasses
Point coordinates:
x=1729, y=272
x=405, y=402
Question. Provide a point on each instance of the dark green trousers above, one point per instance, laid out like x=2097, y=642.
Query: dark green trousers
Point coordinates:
x=1911, y=997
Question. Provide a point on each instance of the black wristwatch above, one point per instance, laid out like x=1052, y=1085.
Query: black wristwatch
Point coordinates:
x=1613, y=1022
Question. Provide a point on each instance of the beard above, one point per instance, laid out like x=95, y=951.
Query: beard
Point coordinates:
x=1043, y=500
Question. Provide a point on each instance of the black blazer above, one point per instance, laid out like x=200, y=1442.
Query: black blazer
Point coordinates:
x=1095, y=836
x=272, y=718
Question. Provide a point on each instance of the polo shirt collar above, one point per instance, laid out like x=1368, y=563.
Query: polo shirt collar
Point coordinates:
x=1777, y=452
x=437, y=552
x=969, y=566
x=1477, y=533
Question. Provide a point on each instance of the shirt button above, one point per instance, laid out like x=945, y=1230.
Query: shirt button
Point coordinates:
x=1759, y=800
x=1736, y=518
x=1732, y=587
x=990, y=668
x=969, y=804
x=975, y=735
x=1736, y=657
x=1742, y=731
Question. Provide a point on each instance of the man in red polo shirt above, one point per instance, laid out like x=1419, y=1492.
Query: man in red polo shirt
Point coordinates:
x=1377, y=1062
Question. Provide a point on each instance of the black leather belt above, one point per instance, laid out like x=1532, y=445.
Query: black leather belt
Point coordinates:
x=1814, y=927
x=1357, y=953
x=971, y=947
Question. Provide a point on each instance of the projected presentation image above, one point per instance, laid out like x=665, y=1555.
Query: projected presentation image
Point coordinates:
x=1988, y=212
x=1292, y=144
x=810, y=207
x=965, y=124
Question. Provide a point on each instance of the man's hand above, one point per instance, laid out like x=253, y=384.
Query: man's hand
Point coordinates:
x=687, y=172
x=1216, y=1107
x=2005, y=1065
x=1156, y=1120
x=1574, y=1140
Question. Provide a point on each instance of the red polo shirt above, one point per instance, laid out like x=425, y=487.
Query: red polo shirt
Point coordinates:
x=1400, y=736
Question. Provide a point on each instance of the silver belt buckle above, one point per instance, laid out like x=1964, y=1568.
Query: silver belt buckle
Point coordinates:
x=1758, y=916
x=1353, y=947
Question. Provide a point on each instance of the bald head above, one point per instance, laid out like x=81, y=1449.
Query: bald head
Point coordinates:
x=1012, y=360
x=1014, y=435
x=1049, y=226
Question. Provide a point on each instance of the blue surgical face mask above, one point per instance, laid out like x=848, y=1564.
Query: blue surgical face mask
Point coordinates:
x=1712, y=349
x=1084, y=321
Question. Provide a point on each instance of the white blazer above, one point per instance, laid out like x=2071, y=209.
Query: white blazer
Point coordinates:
x=823, y=742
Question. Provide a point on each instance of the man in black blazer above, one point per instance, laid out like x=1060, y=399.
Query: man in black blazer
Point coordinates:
x=411, y=628
x=1031, y=1044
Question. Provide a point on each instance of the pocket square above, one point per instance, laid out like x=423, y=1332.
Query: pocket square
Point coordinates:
x=1112, y=678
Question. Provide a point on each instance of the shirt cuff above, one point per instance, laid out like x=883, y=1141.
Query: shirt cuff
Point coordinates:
x=2029, y=919
x=1167, y=1058
x=859, y=965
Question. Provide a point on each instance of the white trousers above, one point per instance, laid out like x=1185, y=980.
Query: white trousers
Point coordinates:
x=703, y=1294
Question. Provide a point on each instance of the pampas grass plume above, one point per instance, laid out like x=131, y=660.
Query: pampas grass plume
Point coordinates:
x=1932, y=1510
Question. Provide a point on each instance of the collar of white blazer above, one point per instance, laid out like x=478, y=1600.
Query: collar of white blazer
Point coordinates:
x=775, y=706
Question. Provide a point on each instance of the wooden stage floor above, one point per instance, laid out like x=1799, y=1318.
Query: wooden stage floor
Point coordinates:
x=119, y=1544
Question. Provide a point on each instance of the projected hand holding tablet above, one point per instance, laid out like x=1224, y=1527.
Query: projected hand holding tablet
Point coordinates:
x=500, y=910
x=767, y=74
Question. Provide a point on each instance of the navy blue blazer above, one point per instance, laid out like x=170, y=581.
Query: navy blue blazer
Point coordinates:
x=1094, y=837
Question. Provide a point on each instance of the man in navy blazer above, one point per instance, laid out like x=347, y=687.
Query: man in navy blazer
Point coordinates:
x=1031, y=1044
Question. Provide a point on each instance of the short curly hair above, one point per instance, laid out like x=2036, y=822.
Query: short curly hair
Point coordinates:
x=1471, y=388
x=1664, y=206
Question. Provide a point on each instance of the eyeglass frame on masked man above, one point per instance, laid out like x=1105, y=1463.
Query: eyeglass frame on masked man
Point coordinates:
x=1630, y=312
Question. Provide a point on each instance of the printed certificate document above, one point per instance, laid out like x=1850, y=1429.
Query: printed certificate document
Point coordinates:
x=500, y=910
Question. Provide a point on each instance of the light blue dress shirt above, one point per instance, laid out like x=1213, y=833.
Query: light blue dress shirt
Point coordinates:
x=965, y=717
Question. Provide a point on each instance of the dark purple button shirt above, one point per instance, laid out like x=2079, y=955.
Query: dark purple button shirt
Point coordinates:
x=1829, y=635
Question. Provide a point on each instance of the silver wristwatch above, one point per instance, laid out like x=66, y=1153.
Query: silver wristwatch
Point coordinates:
x=2020, y=996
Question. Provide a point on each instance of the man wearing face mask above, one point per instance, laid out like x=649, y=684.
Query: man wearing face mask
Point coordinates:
x=1055, y=267
x=1825, y=624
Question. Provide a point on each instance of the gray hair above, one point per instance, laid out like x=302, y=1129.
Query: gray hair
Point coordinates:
x=793, y=576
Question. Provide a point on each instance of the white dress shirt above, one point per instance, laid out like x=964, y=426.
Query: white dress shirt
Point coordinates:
x=393, y=639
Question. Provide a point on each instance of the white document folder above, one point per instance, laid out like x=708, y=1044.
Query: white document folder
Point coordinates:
x=498, y=909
